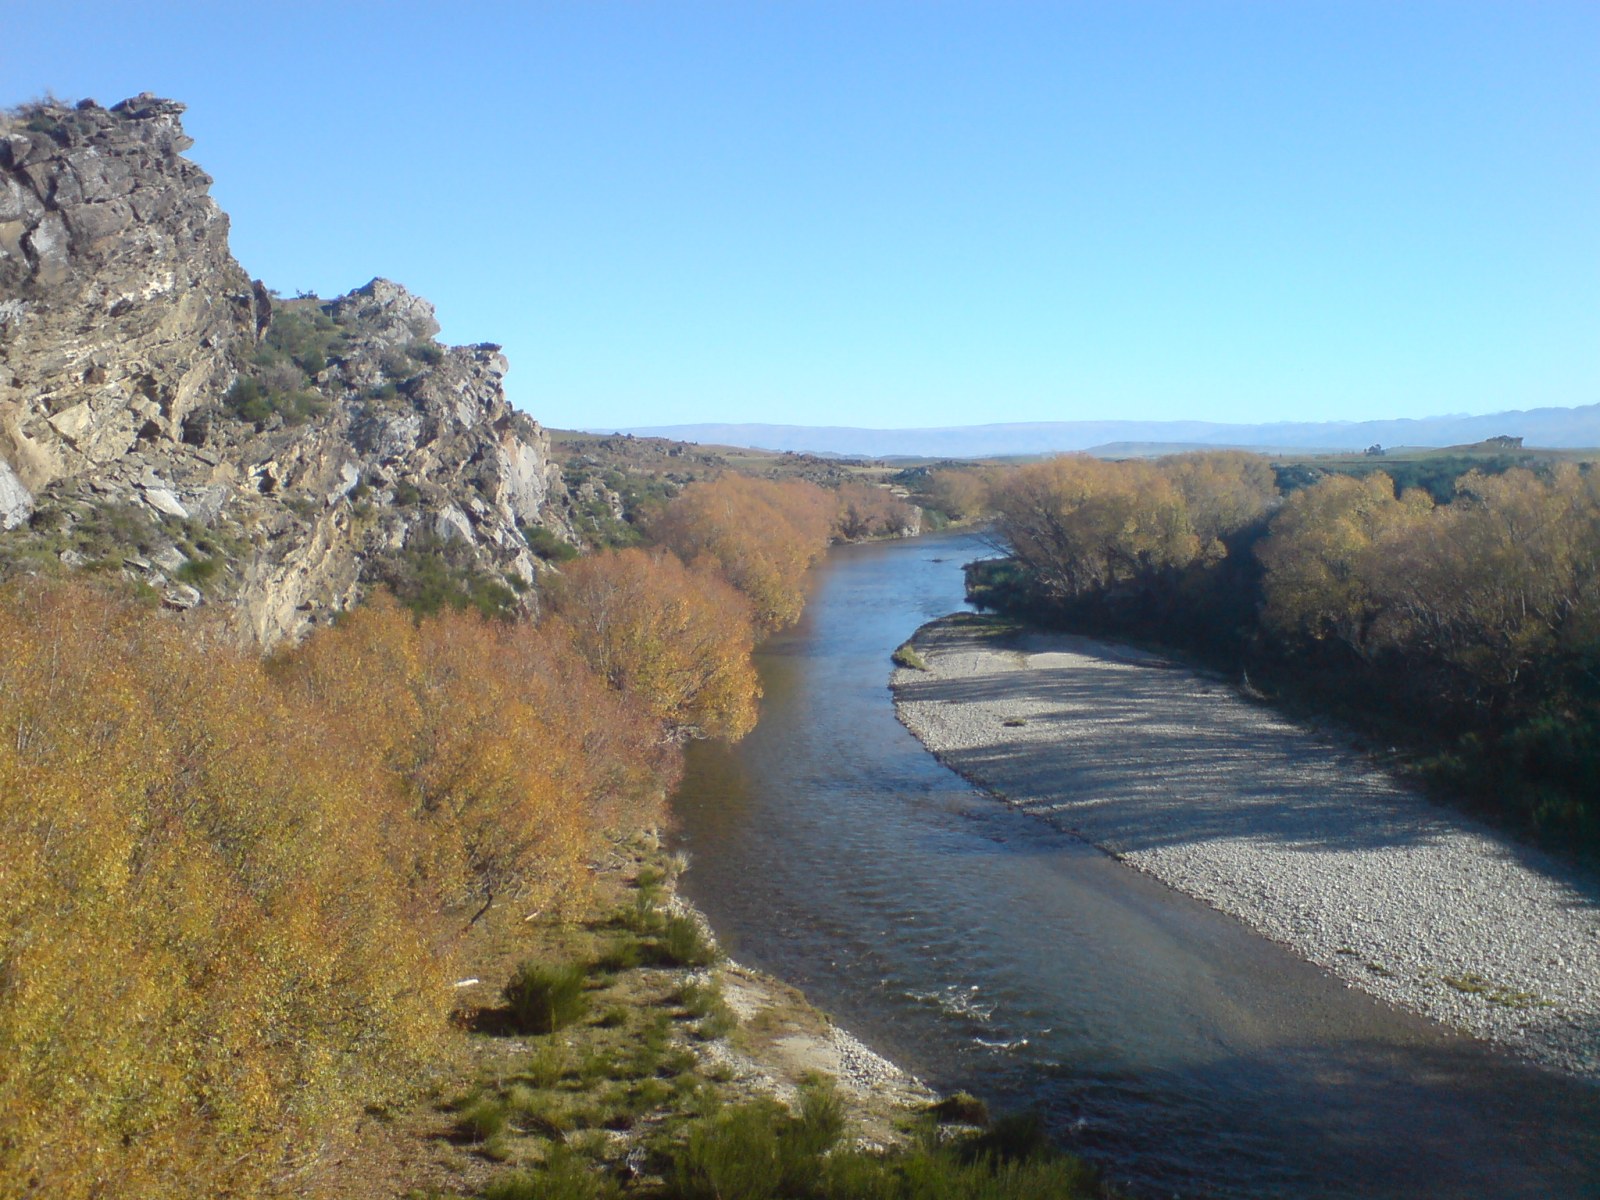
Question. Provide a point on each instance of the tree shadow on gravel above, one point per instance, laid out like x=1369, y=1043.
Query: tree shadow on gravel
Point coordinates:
x=1135, y=755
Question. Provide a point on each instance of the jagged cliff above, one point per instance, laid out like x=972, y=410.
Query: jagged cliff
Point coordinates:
x=164, y=417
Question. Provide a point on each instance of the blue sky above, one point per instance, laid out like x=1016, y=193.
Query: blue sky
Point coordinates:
x=911, y=214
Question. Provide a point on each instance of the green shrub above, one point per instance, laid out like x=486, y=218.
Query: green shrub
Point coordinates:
x=564, y=1176
x=820, y=1122
x=906, y=656
x=759, y=1149
x=198, y=571
x=250, y=401
x=684, y=943
x=427, y=352
x=544, y=998
x=544, y=542
x=482, y=1118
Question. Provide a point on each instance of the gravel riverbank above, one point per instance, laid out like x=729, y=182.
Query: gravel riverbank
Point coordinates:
x=1283, y=827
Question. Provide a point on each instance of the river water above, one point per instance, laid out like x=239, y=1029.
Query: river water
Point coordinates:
x=1183, y=1054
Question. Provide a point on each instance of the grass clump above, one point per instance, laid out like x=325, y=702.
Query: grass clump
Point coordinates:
x=548, y=1065
x=962, y=1108
x=906, y=656
x=544, y=997
x=760, y=1150
x=750, y=1152
x=684, y=943
x=564, y=1176
x=482, y=1118
x=705, y=1003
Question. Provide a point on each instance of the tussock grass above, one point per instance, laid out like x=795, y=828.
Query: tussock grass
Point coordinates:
x=544, y=997
x=685, y=943
x=906, y=655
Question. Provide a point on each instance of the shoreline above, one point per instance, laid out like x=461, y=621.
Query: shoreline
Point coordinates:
x=1287, y=829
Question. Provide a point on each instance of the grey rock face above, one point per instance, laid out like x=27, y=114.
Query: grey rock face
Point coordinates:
x=124, y=321
x=123, y=309
x=16, y=502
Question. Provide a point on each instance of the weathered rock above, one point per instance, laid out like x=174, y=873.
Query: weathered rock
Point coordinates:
x=124, y=321
x=16, y=501
x=165, y=502
x=118, y=283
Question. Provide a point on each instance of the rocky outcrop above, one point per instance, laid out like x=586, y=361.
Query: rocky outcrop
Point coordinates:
x=162, y=416
x=121, y=309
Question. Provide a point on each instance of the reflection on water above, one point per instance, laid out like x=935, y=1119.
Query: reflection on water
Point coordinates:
x=984, y=950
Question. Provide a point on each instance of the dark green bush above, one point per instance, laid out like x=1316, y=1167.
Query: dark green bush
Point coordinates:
x=544, y=997
x=683, y=943
x=198, y=571
x=427, y=352
x=546, y=544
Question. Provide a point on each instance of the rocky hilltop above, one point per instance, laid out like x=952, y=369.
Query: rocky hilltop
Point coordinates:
x=164, y=417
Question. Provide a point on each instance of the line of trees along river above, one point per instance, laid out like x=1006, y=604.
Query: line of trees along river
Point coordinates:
x=232, y=889
x=1471, y=627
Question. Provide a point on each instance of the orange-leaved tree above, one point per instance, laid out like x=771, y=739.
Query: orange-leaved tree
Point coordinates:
x=760, y=534
x=207, y=957
x=1081, y=523
x=676, y=638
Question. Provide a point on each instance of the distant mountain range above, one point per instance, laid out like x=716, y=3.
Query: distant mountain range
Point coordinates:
x=1555, y=428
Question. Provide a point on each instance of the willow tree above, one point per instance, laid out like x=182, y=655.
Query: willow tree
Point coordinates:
x=761, y=535
x=1080, y=524
x=676, y=638
x=1321, y=556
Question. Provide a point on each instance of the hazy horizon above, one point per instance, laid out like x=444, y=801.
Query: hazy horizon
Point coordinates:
x=902, y=215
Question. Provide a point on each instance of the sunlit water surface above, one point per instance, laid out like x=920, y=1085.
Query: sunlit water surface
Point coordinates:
x=979, y=948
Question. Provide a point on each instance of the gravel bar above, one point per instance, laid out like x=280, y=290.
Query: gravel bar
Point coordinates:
x=1289, y=829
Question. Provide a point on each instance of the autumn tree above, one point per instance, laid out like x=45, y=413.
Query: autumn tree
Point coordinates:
x=676, y=638
x=1223, y=492
x=484, y=739
x=1319, y=556
x=221, y=885
x=207, y=956
x=761, y=535
x=1504, y=577
x=961, y=493
x=1079, y=523
x=865, y=510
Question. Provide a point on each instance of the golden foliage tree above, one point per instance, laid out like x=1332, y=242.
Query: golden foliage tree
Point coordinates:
x=1081, y=523
x=761, y=535
x=206, y=956
x=1505, y=576
x=1223, y=491
x=677, y=638
x=961, y=493
x=1319, y=556
x=865, y=511
x=222, y=885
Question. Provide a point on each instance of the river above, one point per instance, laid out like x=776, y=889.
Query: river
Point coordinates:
x=1179, y=1051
